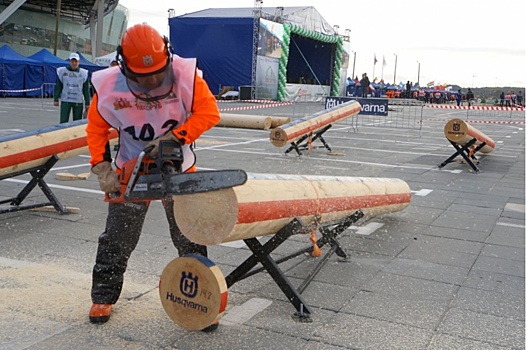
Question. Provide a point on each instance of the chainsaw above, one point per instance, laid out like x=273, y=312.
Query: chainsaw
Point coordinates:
x=147, y=178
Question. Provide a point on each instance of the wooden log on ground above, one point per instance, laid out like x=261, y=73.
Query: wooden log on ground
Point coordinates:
x=27, y=150
x=460, y=132
x=249, y=121
x=245, y=121
x=292, y=131
x=266, y=203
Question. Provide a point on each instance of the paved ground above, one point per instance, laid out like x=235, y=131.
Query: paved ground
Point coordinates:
x=445, y=273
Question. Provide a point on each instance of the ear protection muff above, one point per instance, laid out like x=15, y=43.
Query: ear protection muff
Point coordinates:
x=129, y=73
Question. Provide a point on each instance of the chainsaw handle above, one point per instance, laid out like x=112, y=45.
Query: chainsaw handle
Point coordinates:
x=148, y=149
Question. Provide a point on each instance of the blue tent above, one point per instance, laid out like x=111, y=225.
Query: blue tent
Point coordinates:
x=222, y=40
x=20, y=76
x=50, y=63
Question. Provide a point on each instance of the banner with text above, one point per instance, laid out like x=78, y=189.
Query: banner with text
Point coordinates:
x=370, y=106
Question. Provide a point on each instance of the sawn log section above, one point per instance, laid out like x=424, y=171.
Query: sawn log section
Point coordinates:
x=267, y=202
x=460, y=132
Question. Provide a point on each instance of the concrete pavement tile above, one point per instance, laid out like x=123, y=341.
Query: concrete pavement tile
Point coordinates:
x=487, y=328
x=365, y=244
x=347, y=273
x=358, y=332
x=497, y=282
x=44, y=246
x=315, y=295
x=410, y=288
x=504, y=252
x=474, y=209
x=416, y=215
x=21, y=331
x=427, y=270
x=483, y=199
x=418, y=313
x=249, y=338
x=509, y=190
x=460, y=234
x=466, y=221
x=507, y=235
x=440, y=253
x=280, y=317
x=444, y=341
x=491, y=303
x=510, y=267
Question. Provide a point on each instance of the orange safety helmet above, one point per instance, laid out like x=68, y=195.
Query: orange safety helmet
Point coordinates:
x=143, y=51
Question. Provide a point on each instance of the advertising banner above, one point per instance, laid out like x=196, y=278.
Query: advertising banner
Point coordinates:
x=370, y=106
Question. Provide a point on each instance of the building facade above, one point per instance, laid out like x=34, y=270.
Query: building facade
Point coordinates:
x=27, y=32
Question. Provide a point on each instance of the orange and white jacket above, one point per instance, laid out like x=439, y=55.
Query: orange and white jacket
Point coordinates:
x=188, y=111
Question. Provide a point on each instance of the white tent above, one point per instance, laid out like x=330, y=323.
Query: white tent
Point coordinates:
x=106, y=59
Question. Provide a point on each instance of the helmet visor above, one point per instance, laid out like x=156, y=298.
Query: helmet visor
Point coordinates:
x=147, y=94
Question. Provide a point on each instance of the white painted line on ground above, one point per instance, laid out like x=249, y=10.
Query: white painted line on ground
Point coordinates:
x=87, y=190
x=367, y=229
x=234, y=244
x=71, y=167
x=11, y=130
x=452, y=171
x=520, y=208
x=422, y=193
x=329, y=167
x=244, y=312
x=510, y=225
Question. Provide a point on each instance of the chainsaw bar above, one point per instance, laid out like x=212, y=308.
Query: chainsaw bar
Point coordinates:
x=157, y=186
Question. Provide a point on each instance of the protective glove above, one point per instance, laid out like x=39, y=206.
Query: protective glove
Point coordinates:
x=155, y=143
x=108, y=179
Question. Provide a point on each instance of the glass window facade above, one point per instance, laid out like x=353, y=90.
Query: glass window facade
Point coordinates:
x=28, y=32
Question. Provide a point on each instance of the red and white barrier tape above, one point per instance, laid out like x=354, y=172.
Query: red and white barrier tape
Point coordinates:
x=481, y=121
x=265, y=105
x=479, y=108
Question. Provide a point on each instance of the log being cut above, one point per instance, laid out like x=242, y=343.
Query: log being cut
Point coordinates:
x=268, y=202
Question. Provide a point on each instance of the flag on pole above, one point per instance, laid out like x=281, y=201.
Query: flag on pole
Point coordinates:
x=431, y=83
x=375, y=60
x=384, y=63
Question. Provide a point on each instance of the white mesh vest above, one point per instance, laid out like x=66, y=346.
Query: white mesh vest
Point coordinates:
x=139, y=122
x=72, y=83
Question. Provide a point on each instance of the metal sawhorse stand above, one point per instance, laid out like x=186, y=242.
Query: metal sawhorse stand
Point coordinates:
x=298, y=146
x=261, y=254
x=37, y=174
x=467, y=152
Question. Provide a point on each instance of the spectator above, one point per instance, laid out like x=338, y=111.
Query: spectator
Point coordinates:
x=72, y=88
x=459, y=97
x=470, y=97
x=365, y=85
x=501, y=101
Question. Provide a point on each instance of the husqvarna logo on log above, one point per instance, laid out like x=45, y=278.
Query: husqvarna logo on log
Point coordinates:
x=188, y=285
x=147, y=60
x=456, y=127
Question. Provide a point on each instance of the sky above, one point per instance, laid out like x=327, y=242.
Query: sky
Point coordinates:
x=462, y=42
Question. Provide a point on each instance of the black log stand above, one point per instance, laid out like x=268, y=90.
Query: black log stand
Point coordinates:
x=307, y=145
x=37, y=174
x=261, y=254
x=467, y=152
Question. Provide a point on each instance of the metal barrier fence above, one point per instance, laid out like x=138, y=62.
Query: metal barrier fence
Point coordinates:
x=401, y=113
x=46, y=94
